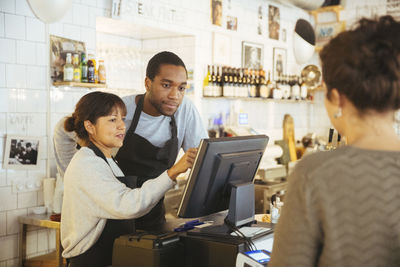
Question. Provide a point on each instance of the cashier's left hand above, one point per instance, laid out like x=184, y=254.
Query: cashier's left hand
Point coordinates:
x=183, y=164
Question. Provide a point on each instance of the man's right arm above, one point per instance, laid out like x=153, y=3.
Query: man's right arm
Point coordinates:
x=64, y=146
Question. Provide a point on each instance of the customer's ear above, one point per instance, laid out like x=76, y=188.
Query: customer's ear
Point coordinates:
x=335, y=97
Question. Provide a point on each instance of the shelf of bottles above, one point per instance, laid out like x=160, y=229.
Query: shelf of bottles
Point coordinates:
x=244, y=83
x=79, y=72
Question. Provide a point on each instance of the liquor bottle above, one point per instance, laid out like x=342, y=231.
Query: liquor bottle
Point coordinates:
x=295, y=88
x=264, y=90
x=91, y=70
x=84, y=69
x=330, y=146
x=213, y=82
x=102, y=72
x=285, y=87
x=68, y=69
x=207, y=83
x=219, y=81
x=77, y=69
x=303, y=90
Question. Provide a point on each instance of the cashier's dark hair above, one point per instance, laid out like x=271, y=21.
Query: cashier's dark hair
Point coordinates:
x=364, y=65
x=90, y=107
x=165, y=57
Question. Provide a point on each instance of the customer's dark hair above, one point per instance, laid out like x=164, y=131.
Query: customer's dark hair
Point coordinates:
x=90, y=107
x=165, y=57
x=364, y=64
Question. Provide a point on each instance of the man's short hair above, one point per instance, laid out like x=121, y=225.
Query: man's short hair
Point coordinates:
x=165, y=57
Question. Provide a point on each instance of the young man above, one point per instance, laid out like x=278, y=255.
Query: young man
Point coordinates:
x=158, y=124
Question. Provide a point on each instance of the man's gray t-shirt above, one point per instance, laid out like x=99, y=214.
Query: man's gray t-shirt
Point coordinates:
x=155, y=129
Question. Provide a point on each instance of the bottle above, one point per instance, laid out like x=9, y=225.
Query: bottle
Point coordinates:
x=303, y=90
x=330, y=146
x=264, y=90
x=102, y=72
x=91, y=71
x=68, y=69
x=295, y=88
x=207, y=83
x=77, y=69
x=84, y=69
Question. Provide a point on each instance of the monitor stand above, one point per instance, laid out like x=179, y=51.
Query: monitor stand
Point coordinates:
x=240, y=214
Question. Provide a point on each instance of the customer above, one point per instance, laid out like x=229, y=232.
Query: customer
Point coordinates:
x=343, y=206
x=99, y=201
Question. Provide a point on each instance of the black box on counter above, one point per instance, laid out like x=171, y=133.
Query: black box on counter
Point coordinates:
x=145, y=249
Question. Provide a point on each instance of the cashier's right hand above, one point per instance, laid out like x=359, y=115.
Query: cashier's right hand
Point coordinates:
x=183, y=164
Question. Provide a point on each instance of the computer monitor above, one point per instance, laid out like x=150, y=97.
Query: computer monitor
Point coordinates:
x=222, y=177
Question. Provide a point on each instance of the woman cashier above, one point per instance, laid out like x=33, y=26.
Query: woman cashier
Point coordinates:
x=100, y=203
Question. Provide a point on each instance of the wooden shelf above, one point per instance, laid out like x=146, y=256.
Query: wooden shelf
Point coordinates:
x=76, y=84
x=257, y=99
x=46, y=260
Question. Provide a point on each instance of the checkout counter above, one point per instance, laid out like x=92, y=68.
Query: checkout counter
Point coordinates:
x=185, y=249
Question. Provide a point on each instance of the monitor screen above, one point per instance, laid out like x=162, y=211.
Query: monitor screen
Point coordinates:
x=221, y=165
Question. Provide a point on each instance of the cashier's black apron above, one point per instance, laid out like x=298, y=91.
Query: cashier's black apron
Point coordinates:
x=100, y=254
x=141, y=158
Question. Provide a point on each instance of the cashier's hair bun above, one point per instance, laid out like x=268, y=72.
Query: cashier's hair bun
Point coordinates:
x=363, y=64
x=90, y=107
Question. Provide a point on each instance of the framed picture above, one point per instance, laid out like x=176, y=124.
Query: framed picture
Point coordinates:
x=221, y=49
x=325, y=31
x=231, y=23
x=279, y=62
x=216, y=12
x=274, y=19
x=59, y=47
x=22, y=152
x=252, y=55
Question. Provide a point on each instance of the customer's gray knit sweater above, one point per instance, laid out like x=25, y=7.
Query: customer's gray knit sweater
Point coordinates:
x=342, y=208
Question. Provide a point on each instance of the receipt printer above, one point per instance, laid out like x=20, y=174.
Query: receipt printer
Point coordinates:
x=254, y=258
x=148, y=250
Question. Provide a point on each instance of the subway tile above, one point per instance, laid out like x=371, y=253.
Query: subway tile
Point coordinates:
x=12, y=220
x=91, y=3
x=106, y=4
x=8, y=51
x=2, y=75
x=1, y=24
x=89, y=37
x=3, y=129
x=26, y=52
x=35, y=30
x=67, y=18
x=9, y=101
x=15, y=26
x=52, y=238
x=17, y=125
x=38, y=125
x=7, y=6
x=41, y=57
x=27, y=199
x=8, y=247
x=3, y=172
x=56, y=29
x=8, y=200
x=36, y=78
x=31, y=242
x=72, y=32
x=15, y=76
x=3, y=101
x=23, y=8
x=3, y=223
x=80, y=15
x=43, y=240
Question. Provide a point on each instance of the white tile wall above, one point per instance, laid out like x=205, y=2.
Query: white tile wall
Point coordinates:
x=3, y=223
x=15, y=26
x=36, y=79
x=26, y=52
x=7, y=6
x=8, y=51
x=72, y=32
x=23, y=8
x=35, y=30
x=80, y=15
x=8, y=247
x=31, y=242
x=12, y=220
x=28, y=199
x=8, y=201
x=2, y=76
x=41, y=55
x=15, y=76
x=1, y=24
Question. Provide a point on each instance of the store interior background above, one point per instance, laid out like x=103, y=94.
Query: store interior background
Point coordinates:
x=31, y=107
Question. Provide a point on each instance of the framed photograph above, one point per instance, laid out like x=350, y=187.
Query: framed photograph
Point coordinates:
x=59, y=47
x=274, y=21
x=221, y=49
x=279, y=62
x=231, y=23
x=22, y=152
x=325, y=31
x=252, y=55
x=216, y=12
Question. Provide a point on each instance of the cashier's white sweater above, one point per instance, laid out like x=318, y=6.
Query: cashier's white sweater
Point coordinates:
x=92, y=194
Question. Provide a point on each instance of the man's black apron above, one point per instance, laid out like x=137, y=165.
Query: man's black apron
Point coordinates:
x=100, y=254
x=140, y=158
